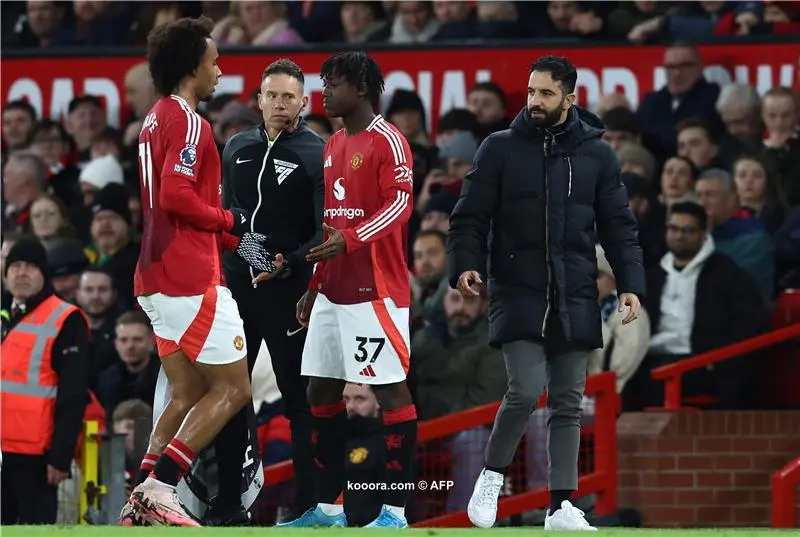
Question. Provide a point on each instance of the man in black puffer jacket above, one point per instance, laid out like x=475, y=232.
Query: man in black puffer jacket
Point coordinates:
x=537, y=198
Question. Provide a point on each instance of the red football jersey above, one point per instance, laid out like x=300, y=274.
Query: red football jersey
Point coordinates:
x=176, y=148
x=369, y=198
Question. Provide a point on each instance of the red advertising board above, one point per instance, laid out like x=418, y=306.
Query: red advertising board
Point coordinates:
x=441, y=77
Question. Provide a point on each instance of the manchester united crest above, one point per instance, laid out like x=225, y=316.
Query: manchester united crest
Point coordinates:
x=358, y=455
x=357, y=161
x=238, y=343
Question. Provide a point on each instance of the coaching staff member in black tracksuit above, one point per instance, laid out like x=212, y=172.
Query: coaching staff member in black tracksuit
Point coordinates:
x=274, y=171
x=538, y=197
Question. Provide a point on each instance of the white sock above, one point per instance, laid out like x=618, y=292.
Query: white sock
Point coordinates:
x=399, y=512
x=331, y=509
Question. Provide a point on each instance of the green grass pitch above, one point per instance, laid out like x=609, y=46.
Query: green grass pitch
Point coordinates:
x=116, y=531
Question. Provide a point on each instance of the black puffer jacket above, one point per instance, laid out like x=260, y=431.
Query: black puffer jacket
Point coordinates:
x=533, y=197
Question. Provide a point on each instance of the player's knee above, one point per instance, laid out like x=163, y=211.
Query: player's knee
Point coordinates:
x=523, y=394
x=186, y=395
x=239, y=394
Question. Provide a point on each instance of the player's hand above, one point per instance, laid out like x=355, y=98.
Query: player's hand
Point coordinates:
x=333, y=246
x=55, y=476
x=304, y=305
x=278, y=262
x=632, y=301
x=251, y=248
x=241, y=221
x=467, y=283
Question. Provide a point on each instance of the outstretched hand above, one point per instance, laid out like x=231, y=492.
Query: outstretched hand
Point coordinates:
x=264, y=276
x=333, y=246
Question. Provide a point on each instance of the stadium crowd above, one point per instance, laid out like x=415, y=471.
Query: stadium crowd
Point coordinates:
x=712, y=174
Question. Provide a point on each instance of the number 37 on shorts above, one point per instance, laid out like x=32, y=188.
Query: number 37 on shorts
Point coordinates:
x=366, y=343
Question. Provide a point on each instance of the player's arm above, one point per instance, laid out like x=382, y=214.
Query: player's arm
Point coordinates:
x=229, y=240
x=317, y=277
x=396, y=183
x=183, y=154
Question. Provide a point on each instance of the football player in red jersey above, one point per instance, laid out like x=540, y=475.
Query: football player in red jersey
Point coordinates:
x=358, y=329
x=177, y=281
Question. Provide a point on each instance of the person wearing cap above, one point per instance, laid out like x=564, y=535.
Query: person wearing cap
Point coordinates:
x=85, y=120
x=112, y=247
x=437, y=212
x=66, y=260
x=43, y=388
x=456, y=159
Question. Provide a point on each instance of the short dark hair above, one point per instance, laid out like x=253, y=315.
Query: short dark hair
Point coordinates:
x=175, y=50
x=94, y=269
x=134, y=317
x=693, y=171
x=45, y=125
x=560, y=69
x=491, y=87
x=322, y=120
x=284, y=66
x=696, y=123
x=24, y=106
x=91, y=100
x=621, y=119
x=433, y=233
x=359, y=69
x=459, y=119
x=110, y=135
x=691, y=208
x=132, y=409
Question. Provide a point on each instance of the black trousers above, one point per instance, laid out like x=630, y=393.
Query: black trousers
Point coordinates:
x=268, y=312
x=26, y=498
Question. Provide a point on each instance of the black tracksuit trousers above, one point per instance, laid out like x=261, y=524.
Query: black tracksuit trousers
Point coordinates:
x=268, y=312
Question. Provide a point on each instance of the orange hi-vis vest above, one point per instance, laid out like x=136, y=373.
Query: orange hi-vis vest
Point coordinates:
x=28, y=383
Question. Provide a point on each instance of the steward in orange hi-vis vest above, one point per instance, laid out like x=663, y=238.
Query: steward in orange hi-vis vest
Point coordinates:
x=44, y=376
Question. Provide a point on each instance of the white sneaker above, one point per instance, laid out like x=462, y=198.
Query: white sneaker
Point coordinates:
x=482, y=507
x=568, y=518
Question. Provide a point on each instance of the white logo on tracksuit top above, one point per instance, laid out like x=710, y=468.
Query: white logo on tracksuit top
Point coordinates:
x=284, y=169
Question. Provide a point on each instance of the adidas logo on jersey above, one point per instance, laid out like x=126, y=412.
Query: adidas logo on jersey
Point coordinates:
x=368, y=372
x=284, y=169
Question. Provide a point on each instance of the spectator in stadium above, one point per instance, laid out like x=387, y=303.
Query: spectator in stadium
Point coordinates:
x=19, y=119
x=107, y=142
x=454, y=121
x=699, y=300
x=407, y=113
x=628, y=15
x=124, y=420
x=24, y=180
x=780, y=112
x=49, y=220
x=759, y=18
x=635, y=158
x=86, y=119
x=739, y=107
x=544, y=312
x=111, y=247
x=677, y=180
x=66, y=260
x=95, y=24
x=366, y=454
x=697, y=143
x=320, y=124
x=609, y=101
x=42, y=413
x=787, y=252
x=97, y=297
x=758, y=193
x=214, y=111
x=364, y=22
x=51, y=142
x=456, y=20
x=742, y=239
x=497, y=20
x=457, y=370
x=622, y=127
x=687, y=94
x=10, y=238
x=94, y=176
x=256, y=23
x=456, y=159
x=37, y=27
x=650, y=215
x=235, y=120
x=430, y=265
x=286, y=201
x=488, y=102
x=140, y=95
x=134, y=374
x=413, y=23
x=437, y=212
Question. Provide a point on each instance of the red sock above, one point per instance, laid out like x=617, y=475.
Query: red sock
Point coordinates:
x=174, y=462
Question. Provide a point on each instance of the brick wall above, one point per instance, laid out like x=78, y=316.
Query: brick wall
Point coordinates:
x=688, y=469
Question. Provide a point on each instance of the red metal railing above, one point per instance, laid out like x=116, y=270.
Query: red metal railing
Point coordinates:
x=671, y=374
x=601, y=480
x=784, y=495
